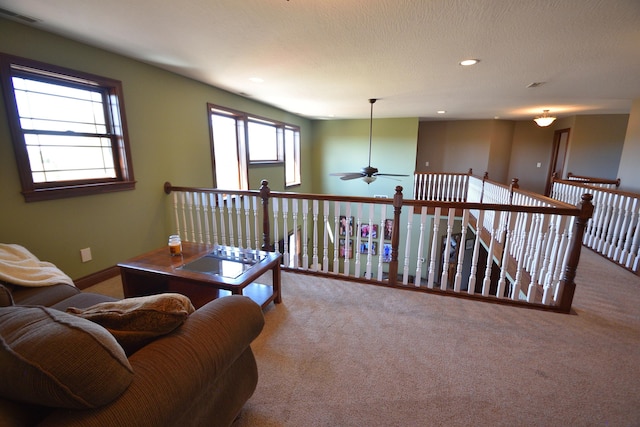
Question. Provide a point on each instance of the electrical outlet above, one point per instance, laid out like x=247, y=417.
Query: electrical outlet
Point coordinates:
x=538, y=165
x=426, y=164
x=85, y=254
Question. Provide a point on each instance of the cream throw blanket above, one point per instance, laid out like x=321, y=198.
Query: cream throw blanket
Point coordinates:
x=20, y=267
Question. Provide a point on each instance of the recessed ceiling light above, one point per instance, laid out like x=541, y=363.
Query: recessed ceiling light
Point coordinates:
x=468, y=62
x=256, y=80
x=441, y=111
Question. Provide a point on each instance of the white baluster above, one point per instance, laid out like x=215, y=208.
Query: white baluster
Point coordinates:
x=434, y=247
x=540, y=234
x=633, y=252
x=192, y=227
x=294, y=213
x=633, y=225
x=206, y=210
x=370, y=242
x=381, y=231
x=305, y=231
x=407, y=249
x=221, y=216
x=184, y=215
x=238, y=207
x=175, y=211
x=420, y=254
x=612, y=212
x=620, y=212
x=247, y=219
x=232, y=238
x=325, y=249
x=196, y=203
x=517, y=283
x=444, y=280
x=255, y=209
x=563, y=254
x=286, y=254
x=605, y=212
x=214, y=218
x=505, y=256
x=336, y=238
x=314, y=259
x=457, y=286
x=348, y=244
x=471, y=287
x=495, y=231
x=358, y=239
x=275, y=207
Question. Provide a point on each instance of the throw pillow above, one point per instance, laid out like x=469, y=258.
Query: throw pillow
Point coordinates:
x=6, y=299
x=51, y=358
x=135, y=322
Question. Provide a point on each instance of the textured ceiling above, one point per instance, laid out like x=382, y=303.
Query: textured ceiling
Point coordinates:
x=326, y=58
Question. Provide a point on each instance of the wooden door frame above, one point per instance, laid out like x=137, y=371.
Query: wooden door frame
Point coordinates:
x=556, y=152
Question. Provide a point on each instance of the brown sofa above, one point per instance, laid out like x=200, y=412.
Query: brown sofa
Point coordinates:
x=201, y=373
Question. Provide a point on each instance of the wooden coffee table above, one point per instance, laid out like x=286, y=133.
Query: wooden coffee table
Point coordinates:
x=203, y=273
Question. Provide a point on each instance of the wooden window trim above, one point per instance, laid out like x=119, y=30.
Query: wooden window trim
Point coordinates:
x=116, y=115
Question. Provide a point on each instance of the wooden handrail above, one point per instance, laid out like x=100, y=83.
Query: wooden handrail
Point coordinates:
x=592, y=179
x=227, y=199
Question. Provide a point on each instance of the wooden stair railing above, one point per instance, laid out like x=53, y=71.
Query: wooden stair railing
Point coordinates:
x=258, y=219
x=592, y=180
x=614, y=229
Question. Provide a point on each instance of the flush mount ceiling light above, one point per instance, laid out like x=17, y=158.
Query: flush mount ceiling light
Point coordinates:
x=545, y=119
x=468, y=62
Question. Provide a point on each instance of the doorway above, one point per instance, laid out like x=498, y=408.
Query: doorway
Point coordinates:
x=558, y=157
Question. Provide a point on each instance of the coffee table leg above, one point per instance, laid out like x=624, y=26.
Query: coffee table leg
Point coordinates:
x=277, y=292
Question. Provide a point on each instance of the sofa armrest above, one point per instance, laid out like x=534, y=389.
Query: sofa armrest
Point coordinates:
x=173, y=374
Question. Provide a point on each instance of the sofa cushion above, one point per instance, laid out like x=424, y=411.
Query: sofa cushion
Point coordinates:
x=46, y=295
x=134, y=322
x=82, y=300
x=51, y=358
x=5, y=296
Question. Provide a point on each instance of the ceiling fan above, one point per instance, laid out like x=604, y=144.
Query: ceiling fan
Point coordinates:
x=368, y=173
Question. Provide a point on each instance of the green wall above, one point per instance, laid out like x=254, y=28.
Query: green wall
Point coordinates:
x=169, y=136
x=343, y=146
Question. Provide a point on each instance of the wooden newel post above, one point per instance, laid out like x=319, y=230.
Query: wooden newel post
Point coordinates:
x=265, y=193
x=395, y=236
x=514, y=185
x=484, y=178
x=567, y=283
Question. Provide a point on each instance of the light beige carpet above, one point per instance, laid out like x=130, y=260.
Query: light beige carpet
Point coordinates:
x=343, y=354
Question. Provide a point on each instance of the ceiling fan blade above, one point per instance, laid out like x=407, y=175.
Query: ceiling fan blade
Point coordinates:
x=343, y=173
x=349, y=176
x=389, y=174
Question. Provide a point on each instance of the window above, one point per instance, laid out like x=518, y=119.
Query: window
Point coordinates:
x=264, y=141
x=68, y=129
x=228, y=149
x=292, y=156
x=239, y=139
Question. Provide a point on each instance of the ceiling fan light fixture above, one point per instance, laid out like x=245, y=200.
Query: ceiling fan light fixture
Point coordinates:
x=545, y=119
x=368, y=179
